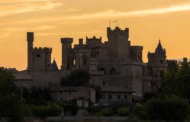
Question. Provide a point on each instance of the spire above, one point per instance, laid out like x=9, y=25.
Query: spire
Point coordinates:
x=159, y=47
x=159, y=50
x=54, y=65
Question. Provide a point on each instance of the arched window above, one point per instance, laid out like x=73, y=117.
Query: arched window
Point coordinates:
x=102, y=69
x=112, y=71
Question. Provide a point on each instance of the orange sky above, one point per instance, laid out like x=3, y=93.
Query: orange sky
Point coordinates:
x=50, y=20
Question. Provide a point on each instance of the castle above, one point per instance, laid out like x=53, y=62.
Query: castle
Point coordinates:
x=115, y=65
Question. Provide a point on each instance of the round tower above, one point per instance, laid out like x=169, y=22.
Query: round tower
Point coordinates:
x=30, y=39
x=66, y=47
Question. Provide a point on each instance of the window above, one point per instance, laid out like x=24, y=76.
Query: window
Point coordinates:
x=125, y=96
x=103, y=97
x=161, y=61
x=104, y=83
x=84, y=61
x=113, y=71
x=118, y=97
x=38, y=55
x=61, y=92
x=73, y=62
x=102, y=69
x=48, y=65
x=109, y=96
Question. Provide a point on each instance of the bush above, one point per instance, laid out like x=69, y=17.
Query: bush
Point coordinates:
x=140, y=111
x=118, y=104
x=123, y=111
x=98, y=114
x=49, y=110
x=69, y=107
x=167, y=108
x=107, y=112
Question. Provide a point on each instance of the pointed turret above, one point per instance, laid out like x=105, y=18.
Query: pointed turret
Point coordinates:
x=159, y=50
x=54, y=66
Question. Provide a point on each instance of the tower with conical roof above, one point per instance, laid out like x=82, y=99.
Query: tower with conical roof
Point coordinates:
x=157, y=66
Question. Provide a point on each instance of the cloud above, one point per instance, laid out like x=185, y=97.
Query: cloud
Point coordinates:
x=25, y=7
x=46, y=34
x=108, y=14
x=43, y=27
x=72, y=9
x=87, y=32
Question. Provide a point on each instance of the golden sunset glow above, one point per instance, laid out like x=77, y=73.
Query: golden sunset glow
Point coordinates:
x=147, y=20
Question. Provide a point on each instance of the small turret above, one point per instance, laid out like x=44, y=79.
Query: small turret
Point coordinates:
x=30, y=39
x=66, y=48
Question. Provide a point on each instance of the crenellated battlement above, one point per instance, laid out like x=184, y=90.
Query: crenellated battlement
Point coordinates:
x=94, y=39
x=117, y=31
x=42, y=50
x=66, y=40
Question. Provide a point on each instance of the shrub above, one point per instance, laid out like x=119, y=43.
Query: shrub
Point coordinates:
x=107, y=112
x=166, y=108
x=54, y=109
x=98, y=114
x=49, y=110
x=140, y=111
x=123, y=111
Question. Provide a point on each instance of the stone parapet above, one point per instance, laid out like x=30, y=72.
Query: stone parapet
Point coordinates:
x=42, y=50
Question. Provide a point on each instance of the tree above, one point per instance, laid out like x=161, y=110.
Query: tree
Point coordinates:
x=98, y=91
x=78, y=77
x=37, y=95
x=7, y=85
x=11, y=108
x=177, y=80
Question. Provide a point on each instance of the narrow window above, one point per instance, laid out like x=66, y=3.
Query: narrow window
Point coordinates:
x=110, y=96
x=84, y=61
x=118, y=97
x=38, y=55
x=125, y=96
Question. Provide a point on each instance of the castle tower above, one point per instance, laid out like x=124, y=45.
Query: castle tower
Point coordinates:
x=118, y=43
x=66, y=48
x=30, y=39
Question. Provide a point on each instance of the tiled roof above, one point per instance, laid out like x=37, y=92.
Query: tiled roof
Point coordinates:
x=109, y=88
x=23, y=77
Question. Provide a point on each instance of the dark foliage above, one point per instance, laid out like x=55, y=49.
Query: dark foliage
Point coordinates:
x=78, y=77
x=7, y=85
x=98, y=91
x=11, y=108
x=37, y=95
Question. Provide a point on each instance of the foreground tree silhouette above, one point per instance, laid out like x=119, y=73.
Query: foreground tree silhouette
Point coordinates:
x=11, y=108
x=177, y=80
x=78, y=77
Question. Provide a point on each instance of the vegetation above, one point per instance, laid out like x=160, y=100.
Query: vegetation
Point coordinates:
x=37, y=95
x=107, y=112
x=124, y=111
x=98, y=91
x=78, y=77
x=7, y=85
